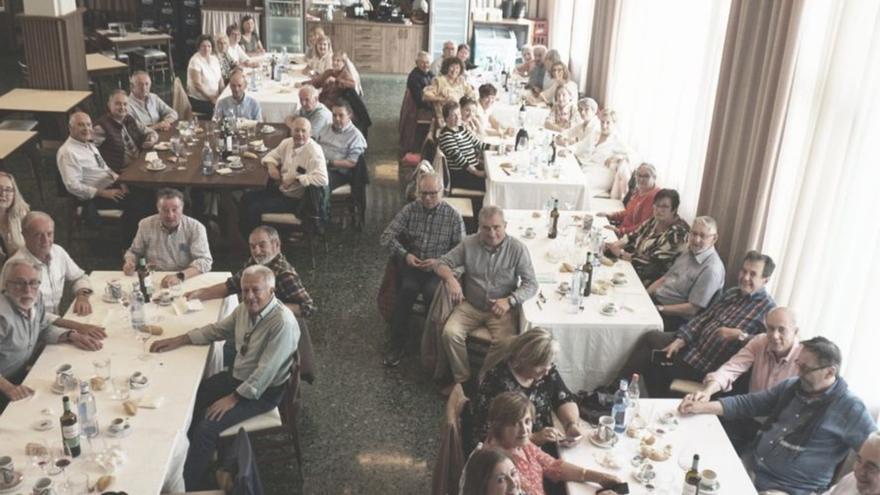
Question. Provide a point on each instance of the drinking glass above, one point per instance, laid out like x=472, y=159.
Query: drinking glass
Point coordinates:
x=43, y=457
x=62, y=460
x=121, y=387
x=144, y=335
x=102, y=367
x=176, y=288
x=78, y=484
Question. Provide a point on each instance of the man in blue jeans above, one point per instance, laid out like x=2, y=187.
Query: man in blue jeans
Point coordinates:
x=266, y=336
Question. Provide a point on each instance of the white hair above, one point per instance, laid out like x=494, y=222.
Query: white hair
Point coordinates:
x=708, y=222
x=260, y=271
x=12, y=264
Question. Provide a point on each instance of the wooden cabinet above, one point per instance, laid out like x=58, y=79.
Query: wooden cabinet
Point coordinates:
x=376, y=47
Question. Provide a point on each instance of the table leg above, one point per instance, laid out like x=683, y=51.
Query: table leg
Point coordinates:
x=33, y=152
x=170, y=59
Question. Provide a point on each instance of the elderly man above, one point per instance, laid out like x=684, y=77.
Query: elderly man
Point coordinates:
x=296, y=163
x=536, y=75
x=239, y=104
x=812, y=422
x=865, y=478
x=419, y=78
x=266, y=336
x=710, y=338
x=770, y=357
x=492, y=263
x=343, y=144
x=170, y=241
x=24, y=322
x=317, y=114
x=692, y=280
x=147, y=107
x=120, y=137
x=420, y=233
x=448, y=51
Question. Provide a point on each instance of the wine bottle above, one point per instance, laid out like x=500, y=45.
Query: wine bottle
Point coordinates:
x=145, y=281
x=552, y=160
x=70, y=429
x=588, y=275
x=522, y=139
x=554, y=224
x=692, y=478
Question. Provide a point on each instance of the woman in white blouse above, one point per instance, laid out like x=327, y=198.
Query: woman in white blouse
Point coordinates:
x=204, y=78
x=560, y=79
x=564, y=114
x=584, y=136
x=322, y=59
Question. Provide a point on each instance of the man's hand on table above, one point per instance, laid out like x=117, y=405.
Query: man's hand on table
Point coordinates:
x=83, y=341
x=165, y=345
x=673, y=348
x=500, y=307
x=15, y=392
x=169, y=280
x=194, y=294
x=92, y=331
x=81, y=305
x=220, y=407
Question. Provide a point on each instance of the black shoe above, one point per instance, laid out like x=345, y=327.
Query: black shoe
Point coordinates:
x=392, y=358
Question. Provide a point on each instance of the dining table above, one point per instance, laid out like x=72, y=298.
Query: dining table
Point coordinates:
x=653, y=425
x=145, y=38
x=594, y=343
x=146, y=456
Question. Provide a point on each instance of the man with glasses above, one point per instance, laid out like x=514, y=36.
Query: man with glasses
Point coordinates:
x=343, y=145
x=693, y=279
x=813, y=420
x=419, y=235
x=710, y=338
x=865, y=478
x=266, y=336
x=24, y=323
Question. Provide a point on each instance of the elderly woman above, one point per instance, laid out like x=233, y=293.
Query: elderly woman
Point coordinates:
x=559, y=78
x=510, y=423
x=490, y=471
x=564, y=114
x=551, y=57
x=609, y=142
x=204, y=77
x=657, y=242
x=584, y=136
x=528, y=58
x=227, y=64
x=321, y=59
x=449, y=86
x=639, y=204
x=462, y=149
x=13, y=208
x=528, y=368
x=469, y=118
x=250, y=39
x=334, y=81
x=490, y=125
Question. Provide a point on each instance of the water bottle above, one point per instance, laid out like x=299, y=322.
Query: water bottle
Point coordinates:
x=284, y=58
x=575, y=294
x=137, y=308
x=88, y=411
x=633, y=392
x=207, y=160
x=618, y=411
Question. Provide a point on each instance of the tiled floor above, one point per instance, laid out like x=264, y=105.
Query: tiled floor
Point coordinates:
x=365, y=429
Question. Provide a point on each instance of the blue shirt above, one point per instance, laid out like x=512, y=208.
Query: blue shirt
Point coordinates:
x=320, y=118
x=342, y=144
x=845, y=425
x=248, y=108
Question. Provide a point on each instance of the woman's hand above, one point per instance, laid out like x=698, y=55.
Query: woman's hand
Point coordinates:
x=545, y=435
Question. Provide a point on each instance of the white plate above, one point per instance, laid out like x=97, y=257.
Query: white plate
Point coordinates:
x=43, y=425
x=236, y=165
x=162, y=146
x=109, y=300
x=267, y=129
x=602, y=445
x=153, y=167
x=609, y=313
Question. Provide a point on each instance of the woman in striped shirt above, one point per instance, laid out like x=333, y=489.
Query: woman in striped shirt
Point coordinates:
x=462, y=150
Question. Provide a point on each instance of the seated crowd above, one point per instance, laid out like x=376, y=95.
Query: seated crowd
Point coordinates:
x=782, y=401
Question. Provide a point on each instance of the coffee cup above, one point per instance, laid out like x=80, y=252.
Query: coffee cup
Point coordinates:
x=117, y=425
x=165, y=296
x=618, y=278
x=64, y=375
x=113, y=290
x=606, y=428
x=709, y=481
x=530, y=232
x=7, y=470
x=44, y=486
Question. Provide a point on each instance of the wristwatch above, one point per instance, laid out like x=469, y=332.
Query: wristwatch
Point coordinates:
x=512, y=301
x=181, y=276
x=86, y=292
x=661, y=308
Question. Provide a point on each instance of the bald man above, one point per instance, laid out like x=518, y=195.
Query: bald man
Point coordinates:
x=419, y=78
x=297, y=162
x=239, y=104
x=448, y=51
x=865, y=478
x=312, y=109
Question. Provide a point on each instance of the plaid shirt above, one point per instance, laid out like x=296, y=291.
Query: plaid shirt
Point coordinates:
x=428, y=233
x=705, y=350
x=288, y=286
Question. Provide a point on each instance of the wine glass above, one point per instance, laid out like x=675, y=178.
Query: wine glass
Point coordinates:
x=41, y=456
x=61, y=462
x=177, y=147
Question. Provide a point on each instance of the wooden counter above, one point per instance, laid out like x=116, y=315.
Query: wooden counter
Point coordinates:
x=376, y=47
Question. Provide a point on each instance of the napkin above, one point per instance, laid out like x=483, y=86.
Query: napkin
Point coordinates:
x=224, y=171
x=182, y=306
x=152, y=401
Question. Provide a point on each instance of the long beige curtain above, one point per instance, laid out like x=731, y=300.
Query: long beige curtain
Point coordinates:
x=747, y=124
x=606, y=17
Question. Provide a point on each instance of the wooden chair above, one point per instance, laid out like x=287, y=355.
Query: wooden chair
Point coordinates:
x=73, y=210
x=309, y=221
x=283, y=420
x=450, y=455
x=351, y=199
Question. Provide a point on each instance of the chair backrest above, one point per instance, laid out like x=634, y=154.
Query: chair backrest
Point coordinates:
x=442, y=169
x=289, y=406
x=180, y=101
x=450, y=455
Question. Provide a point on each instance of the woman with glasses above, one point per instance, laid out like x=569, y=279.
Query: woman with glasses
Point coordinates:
x=13, y=208
x=638, y=202
x=657, y=242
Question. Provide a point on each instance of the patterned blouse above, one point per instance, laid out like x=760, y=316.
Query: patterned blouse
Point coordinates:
x=653, y=252
x=533, y=464
x=546, y=394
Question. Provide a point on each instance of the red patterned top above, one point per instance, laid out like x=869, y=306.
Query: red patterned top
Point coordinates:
x=639, y=209
x=533, y=465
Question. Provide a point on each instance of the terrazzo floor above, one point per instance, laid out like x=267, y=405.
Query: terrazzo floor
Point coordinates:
x=364, y=429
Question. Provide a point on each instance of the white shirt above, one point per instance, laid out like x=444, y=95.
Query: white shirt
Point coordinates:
x=53, y=274
x=847, y=486
x=237, y=53
x=82, y=169
x=308, y=157
x=209, y=71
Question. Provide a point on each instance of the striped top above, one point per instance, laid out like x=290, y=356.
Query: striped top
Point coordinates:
x=461, y=147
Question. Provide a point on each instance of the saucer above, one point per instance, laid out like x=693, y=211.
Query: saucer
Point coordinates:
x=109, y=300
x=168, y=302
x=120, y=433
x=140, y=382
x=19, y=478
x=236, y=165
x=43, y=425
x=156, y=166
x=562, y=290
x=636, y=475
x=602, y=445
x=607, y=311
x=267, y=129
x=528, y=236
x=57, y=389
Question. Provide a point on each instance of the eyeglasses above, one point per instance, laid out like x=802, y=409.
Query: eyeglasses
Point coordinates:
x=426, y=194
x=644, y=176
x=21, y=284
x=7, y=190
x=803, y=368
x=247, y=341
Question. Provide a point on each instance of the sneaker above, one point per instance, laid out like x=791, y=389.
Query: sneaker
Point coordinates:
x=392, y=358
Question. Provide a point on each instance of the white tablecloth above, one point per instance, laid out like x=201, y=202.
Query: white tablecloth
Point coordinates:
x=156, y=447
x=278, y=100
x=593, y=346
x=520, y=190
x=701, y=435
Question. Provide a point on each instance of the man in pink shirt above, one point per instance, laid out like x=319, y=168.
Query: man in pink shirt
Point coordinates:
x=771, y=358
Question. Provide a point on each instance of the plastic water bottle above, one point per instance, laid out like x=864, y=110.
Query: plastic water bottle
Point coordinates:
x=575, y=296
x=88, y=411
x=207, y=160
x=137, y=308
x=284, y=58
x=618, y=410
x=633, y=392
